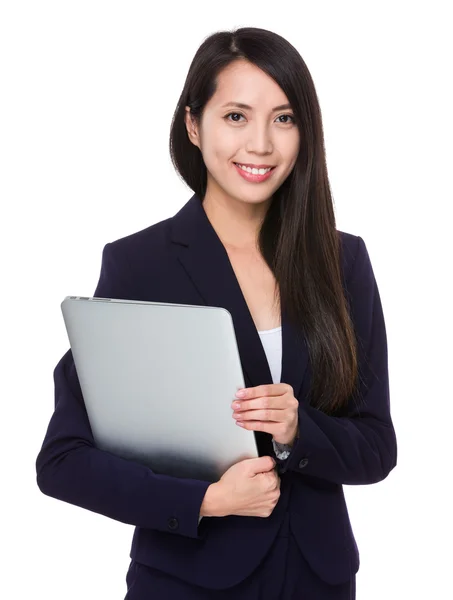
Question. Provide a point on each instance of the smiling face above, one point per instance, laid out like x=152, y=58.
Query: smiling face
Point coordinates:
x=263, y=133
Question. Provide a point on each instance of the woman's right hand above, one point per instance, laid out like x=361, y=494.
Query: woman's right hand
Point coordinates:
x=249, y=488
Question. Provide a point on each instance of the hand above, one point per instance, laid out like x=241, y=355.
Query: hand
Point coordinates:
x=271, y=408
x=249, y=488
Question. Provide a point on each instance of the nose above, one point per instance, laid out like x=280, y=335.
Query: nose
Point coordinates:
x=259, y=140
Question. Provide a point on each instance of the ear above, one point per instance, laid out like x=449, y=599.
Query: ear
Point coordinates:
x=192, y=127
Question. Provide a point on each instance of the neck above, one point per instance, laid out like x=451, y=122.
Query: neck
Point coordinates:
x=236, y=223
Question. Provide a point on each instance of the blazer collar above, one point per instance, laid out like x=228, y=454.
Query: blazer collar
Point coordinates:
x=203, y=256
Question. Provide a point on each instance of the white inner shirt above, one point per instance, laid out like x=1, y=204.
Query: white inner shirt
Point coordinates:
x=272, y=344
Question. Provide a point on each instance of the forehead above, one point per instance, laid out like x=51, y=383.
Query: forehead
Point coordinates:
x=242, y=81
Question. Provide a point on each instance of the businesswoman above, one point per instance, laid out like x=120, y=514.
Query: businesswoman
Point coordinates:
x=257, y=237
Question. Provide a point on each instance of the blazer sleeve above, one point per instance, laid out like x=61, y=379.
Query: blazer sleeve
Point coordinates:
x=360, y=447
x=71, y=468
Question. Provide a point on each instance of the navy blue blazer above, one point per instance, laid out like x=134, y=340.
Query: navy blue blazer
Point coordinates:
x=182, y=260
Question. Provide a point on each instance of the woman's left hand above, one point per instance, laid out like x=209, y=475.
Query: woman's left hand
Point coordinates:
x=271, y=408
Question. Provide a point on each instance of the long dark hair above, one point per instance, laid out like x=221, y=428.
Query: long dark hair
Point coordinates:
x=298, y=238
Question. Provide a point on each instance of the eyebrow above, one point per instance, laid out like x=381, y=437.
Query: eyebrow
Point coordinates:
x=247, y=107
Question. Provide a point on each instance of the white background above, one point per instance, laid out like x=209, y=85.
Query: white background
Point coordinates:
x=88, y=90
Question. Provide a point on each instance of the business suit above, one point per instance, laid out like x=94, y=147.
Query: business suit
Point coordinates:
x=181, y=260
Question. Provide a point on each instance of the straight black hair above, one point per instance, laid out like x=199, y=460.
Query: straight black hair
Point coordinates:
x=298, y=238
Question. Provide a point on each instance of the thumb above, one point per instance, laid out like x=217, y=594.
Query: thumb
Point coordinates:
x=264, y=463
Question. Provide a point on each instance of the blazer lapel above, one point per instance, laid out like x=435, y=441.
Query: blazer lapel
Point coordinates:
x=204, y=258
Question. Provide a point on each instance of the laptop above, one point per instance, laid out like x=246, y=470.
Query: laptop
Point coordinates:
x=158, y=380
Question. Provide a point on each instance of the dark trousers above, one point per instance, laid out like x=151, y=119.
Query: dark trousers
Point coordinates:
x=283, y=575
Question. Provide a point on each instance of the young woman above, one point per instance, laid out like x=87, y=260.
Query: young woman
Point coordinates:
x=258, y=237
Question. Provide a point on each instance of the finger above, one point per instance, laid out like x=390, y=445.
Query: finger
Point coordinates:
x=266, y=426
x=276, y=416
x=268, y=389
x=277, y=402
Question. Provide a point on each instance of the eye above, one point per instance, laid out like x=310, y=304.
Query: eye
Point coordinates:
x=293, y=120
x=232, y=113
x=290, y=116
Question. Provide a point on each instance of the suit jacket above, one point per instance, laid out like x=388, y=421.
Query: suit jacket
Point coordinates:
x=182, y=260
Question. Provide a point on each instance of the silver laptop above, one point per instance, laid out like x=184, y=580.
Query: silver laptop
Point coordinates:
x=158, y=381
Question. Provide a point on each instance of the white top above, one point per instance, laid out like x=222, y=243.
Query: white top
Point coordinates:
x=272, y=344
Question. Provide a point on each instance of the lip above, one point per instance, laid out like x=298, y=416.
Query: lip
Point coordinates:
x=255, y=166
x=251, y=177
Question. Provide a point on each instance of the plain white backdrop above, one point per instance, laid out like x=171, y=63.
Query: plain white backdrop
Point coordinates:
x=88, y=90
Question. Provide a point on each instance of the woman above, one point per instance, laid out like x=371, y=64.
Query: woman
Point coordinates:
x=258, y=237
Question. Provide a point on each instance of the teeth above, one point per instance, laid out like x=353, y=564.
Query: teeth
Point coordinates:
x=254, y=171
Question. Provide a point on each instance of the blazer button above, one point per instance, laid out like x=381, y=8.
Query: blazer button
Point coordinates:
x=303, y=463
x=173, y=523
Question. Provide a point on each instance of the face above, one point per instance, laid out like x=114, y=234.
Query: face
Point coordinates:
x=229, y=135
